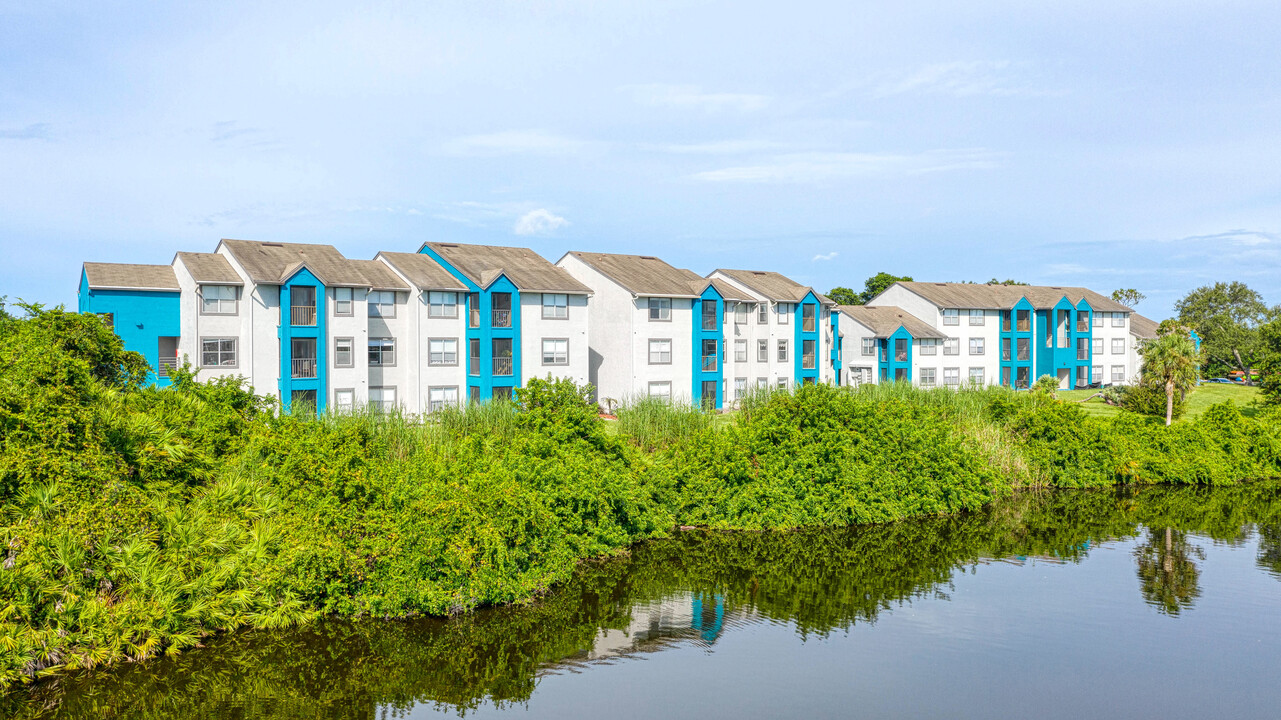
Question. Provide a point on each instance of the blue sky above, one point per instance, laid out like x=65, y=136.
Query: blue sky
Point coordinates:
x=1132, y=144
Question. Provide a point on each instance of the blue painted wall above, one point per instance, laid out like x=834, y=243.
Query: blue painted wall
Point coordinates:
x=142, y=317
x=699, y=336
x=288, y=331
x=838, y=343
x=1013, y=335
x=799, y=373
x=891, y=365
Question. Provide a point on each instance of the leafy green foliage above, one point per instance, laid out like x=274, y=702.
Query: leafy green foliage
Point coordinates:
x=1227, y=316
x=877, y=284
x=1128, y=297
x=844, y=296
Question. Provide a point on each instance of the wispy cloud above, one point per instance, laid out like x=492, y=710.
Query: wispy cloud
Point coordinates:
x=825, y=257
x=1000, y=78
x=514, y=142
x=1239, y=237
x=820, y=167
x=694, y=97
x=34, y=131
x=718, y=147
x=539, y=222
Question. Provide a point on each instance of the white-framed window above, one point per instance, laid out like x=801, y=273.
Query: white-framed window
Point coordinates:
x=1096, y=372
x=660, y=351
x=660, y=390
x=976, y=316
x=951, y=377
x=1118, y=319
x=342, y=301
x=1118, y=373
x=1097, y=346
x=555, y=306
x=762, y=313
x=782, y=351
x=344, y=352
x=344, y=399
x=1118, y=346
x=926, y=376
x=762, y=383
x=762, y=351
x=660, y=309
x=951, y=316
x=976, y=346
x=442, y=304
x=740, y=388
x=951, y=346
x=439, y=397
x=218, y=352
x=784, y=313
x=555, y=351
x=382, y=352
x=740, y=313
x=869, y=346
x=1098, y=318
x=382, y=397
x=976, y=376
x=740, y=351
x=442, y=351
x=382, y=303
x=782, y=383
x=929, y=346
x=217, y=299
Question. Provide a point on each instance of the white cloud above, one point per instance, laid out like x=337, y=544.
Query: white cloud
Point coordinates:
x=819, y=167
x=514, y=142
x=823, y=258
x=1241, y=237
x=539, y=222
x=692, y=96
x=718, y=147
x=1000, y=78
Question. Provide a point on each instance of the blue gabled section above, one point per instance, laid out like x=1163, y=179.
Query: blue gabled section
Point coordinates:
x=1052, y=353
x=288, y=332
x=1084, y=368
x=837, y=345
x=799, y=372
x=140, y=318
x=700, y=335
x=1012, y=366
x=893, y=365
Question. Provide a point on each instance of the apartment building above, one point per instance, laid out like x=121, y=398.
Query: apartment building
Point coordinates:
x=951, y=334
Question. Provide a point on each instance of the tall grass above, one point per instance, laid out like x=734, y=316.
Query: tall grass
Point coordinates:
x=653, y=423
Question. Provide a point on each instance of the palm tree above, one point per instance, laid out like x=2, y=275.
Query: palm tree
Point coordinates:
x=1168, y=575
x=1172, y=360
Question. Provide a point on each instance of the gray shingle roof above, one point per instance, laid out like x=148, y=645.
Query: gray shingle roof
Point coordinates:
x=122, y=276
x=884, y=320
x=774, y=286
x=643, y=275
x=528, y=271
x=424, y=272
x=209, y=268
x=727, y=291
x=379, y=276
x=1142, y=327
x=272, y=263
x=1004, y=297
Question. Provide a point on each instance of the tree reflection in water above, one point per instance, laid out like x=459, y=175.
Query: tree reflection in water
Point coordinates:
x=1167, y=573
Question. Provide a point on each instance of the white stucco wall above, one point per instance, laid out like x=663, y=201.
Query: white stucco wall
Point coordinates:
x=534, y=328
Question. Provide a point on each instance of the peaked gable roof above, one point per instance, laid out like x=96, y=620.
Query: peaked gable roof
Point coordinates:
x=642, y=275
x=271, y=263
x=528, y=271
x=423, y=271
x=774, y=286
x=379, y=276
x=209, y=268
x=1142, y=327
x=124, y=276
x=1004, y=297
x=885, y=320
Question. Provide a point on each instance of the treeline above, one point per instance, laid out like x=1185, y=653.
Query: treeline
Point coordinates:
x=137, y=520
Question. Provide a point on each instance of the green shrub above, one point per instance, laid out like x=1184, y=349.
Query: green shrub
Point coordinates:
x=1148, y=398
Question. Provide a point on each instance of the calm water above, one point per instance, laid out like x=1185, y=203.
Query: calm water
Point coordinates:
x=1160, y=604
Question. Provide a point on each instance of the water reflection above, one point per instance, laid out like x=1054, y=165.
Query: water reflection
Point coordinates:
x=692, y=591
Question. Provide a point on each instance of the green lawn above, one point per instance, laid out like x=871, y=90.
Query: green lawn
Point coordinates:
x=1200, y=399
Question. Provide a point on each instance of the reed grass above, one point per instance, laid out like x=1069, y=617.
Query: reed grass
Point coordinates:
x=653, y=423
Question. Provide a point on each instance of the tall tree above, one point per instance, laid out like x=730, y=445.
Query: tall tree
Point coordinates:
x=844, y=296
x=1128, y=297
x=1270, y=361
x=1170, y=360
x=1227, y=317
x=876, y=285
x=1168, y=575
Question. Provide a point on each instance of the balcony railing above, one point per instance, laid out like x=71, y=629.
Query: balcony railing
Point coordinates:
x=304, y=367
x=503, y=318
x=807, y=324
x=474, y=366
x=807, y=362
x=302, y=315
x=473, y=318
x=166, y=365
x=709, y=363
x=502, y=366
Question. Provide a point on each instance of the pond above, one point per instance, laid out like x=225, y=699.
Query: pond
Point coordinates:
x=1161, y=603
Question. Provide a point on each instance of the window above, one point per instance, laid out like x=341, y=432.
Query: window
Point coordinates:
x=218, y=299
x=709, y=394
x=807, y=317
x=1005, y=321
x=1096, y=372
x=1022, y=378
x=976, y=376
x=1024, y=349
x=344, y=352
x=1082, y=348
x=473, y=356
x=784, y=313
x=976, y=317
x=555, y=306
x=1005, y=376
x=344, y=400
x=302, y=361
x=439, y=397
x=502, y=393
x=1024, y=318
x=740, y=313
x=1118, y=373
x=500, y=309
x=762, y=313
x=951, y=377
x=442, y=351
x=1118, y=319
x=951, y=316
x=342, y=301
x=711, y=351
x=929, y=346
x=782, y=383
x=660, y=352
x=926, y=376
x=740, y=388
x=762, y=383
x=108, y=319
x=382, y=398
x=473, y=394
x=1118, y=346
x=442, y=304
x=709, y=314
x=218, y=352
x=762, y=351
x=660, y=390
x=555, y=351
x=1082, y=321
x=382, y=303
x=952, y=346
x=501, y=349
x=900, y=374
x=740, y=351
x=782, y=351
x=1098, y=319
x=382, y=352
x=660, y=309
x=900, y=350
x=869, y=346
x=1098, y=346
x=976, y=346
x=808, y=360
x=1005, y=350
x=473, y=310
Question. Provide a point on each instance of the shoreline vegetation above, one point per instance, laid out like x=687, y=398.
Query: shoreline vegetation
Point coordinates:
x=137, y=521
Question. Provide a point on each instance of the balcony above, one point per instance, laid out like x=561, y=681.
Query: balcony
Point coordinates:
x=502, y=366
x=807, y=362
x=166, y=365
x=473, y=367
x=302, y=315
x=303, y=367
x=709, y=363
x=502, y=318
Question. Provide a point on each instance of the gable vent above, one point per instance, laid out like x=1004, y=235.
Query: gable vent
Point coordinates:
x=757, y=272
x=447, y=246
x=648, y=257
x=272, y=245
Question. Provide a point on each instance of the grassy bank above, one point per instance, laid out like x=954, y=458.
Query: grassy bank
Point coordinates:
x=137, y=521
x=1200, y=400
